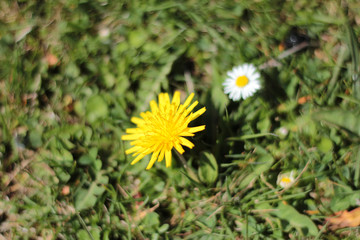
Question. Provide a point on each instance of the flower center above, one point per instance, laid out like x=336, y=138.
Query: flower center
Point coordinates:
x=242, y=81
x=286, y=180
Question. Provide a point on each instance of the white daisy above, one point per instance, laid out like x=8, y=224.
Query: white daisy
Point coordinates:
x=242, y=82
x=286, y=179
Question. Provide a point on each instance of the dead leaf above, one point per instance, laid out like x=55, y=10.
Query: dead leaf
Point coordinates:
x=51, y=59
x=320, y=54
x=312, y=212
x=65, y=190
x=344, y=219
x=281, y=47
x=22, y=33
x=304, y=99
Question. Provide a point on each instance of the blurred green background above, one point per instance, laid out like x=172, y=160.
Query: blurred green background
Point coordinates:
x=73, y=73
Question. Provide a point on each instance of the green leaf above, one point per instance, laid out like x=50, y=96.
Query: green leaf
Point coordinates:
x=86, y=198
x=66, y=142
x=163, y=228
x=61, y=157
x=264, y=164
x=296, y=220
x=109, y=80
x=343, y=198
x=35, y=138
x=96, y=108
x=208, y=170
x=72, y=70
x=82, y=234
x=208, y=220
x=151, y=222
x=325, y=145
x=93, y=152
x=346, y=120
x=90, y=158
x=264, y=125
x=98, y=164
x=62, y=174
x=137, y=37
x=86, y=159
x=79, y=108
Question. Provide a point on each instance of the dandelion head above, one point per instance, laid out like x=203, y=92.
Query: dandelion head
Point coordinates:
x=242, y=82
x=163, y=128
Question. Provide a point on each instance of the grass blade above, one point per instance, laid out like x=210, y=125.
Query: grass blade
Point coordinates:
x=251, y=136
x=354, y=50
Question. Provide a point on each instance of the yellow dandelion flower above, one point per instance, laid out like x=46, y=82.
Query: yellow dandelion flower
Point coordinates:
x=162, y=129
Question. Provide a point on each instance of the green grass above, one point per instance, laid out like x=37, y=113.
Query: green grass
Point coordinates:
x=73, y=73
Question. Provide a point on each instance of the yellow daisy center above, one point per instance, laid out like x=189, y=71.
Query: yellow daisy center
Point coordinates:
x=242, y=81
x=286, y=180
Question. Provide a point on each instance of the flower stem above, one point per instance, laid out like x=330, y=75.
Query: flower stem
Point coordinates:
x=190, y=172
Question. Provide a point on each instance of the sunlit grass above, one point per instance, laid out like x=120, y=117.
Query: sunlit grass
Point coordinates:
x=74, y=73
